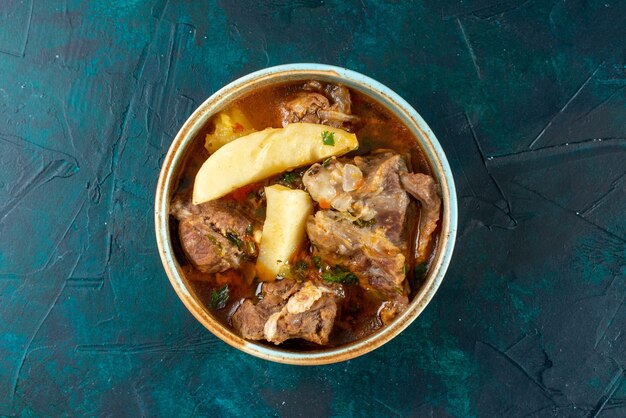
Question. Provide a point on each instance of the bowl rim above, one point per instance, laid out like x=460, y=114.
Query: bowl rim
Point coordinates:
x=379, y=92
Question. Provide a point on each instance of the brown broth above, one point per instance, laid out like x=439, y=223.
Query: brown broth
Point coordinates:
x=358, y=310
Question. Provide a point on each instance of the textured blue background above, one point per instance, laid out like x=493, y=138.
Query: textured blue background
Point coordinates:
x=528, y=100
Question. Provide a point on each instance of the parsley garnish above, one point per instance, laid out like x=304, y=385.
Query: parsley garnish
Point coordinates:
x=300, y=269
x=327, y=162
x=328, y=138
x=219, y=298
x=362, y=224
x=339, y=275
x=215, y=242
x=317, y=262
x=301, y=265
x=289, y=177
x=234, y=239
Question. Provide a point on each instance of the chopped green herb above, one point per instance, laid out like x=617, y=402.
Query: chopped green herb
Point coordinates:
x=249, y=230
x=219, y=298
x=289, y=177
x=339, y=275
x=300, y=269
x=234, y=239
x=215, y=242
x=301, y=265
x=362, y=224
x=327, y=162
x=317, y=262
x=328, y=138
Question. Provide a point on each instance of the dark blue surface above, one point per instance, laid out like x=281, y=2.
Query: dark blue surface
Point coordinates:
x=527, y=99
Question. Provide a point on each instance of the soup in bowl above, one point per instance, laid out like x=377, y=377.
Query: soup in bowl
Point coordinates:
x=305, y=214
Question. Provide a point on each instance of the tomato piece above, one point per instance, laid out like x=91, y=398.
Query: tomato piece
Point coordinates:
x=242, y=193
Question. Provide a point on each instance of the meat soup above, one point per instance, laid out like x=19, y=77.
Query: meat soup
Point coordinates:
x=306, y=215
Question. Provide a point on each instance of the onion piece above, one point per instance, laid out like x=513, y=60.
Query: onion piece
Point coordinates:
x=352, y=178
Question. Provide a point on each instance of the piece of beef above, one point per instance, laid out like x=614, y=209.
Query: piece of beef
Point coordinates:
x=309, y=314
x=328, y=104
x=341, y=97
x=382, y=194
x=288, y=310
x=250, y=319
x=369, y=231
x=207, y=250
x=223, y=214
x=369, y=190
x=211, y=234
x=303, y=108
x=425, y=190
x=365, y=251
x=339, y=94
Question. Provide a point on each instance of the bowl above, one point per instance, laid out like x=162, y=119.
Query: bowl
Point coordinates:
x=173, y=164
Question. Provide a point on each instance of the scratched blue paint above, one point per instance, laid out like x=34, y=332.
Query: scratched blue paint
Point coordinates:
x=529, y=319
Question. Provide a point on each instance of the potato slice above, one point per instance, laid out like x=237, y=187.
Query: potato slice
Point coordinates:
x=260, y=155
x=283, y=230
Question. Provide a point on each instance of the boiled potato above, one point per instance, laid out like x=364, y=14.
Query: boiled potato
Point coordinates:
x=283, y=230
x=263, y=154
x=229, y=125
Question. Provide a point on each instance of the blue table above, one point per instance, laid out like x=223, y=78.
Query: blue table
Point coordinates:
x=527, y=99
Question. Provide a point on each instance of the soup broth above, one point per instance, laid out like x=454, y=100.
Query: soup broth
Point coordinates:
x=360, y=307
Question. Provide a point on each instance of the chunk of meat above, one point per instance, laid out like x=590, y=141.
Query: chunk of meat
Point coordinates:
x=304, y=108
x=379, y=196
x=249, y=319
x=369, y=232
x=367, y=252
x=309, y=314
x=341, y=97
x=382, y=194
x=223, y=214
x=326, y=104
x=288, y=310
x=339, y=94
x=425, y=190
x=369, y=190
x=212, y=234
x=207, y=250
